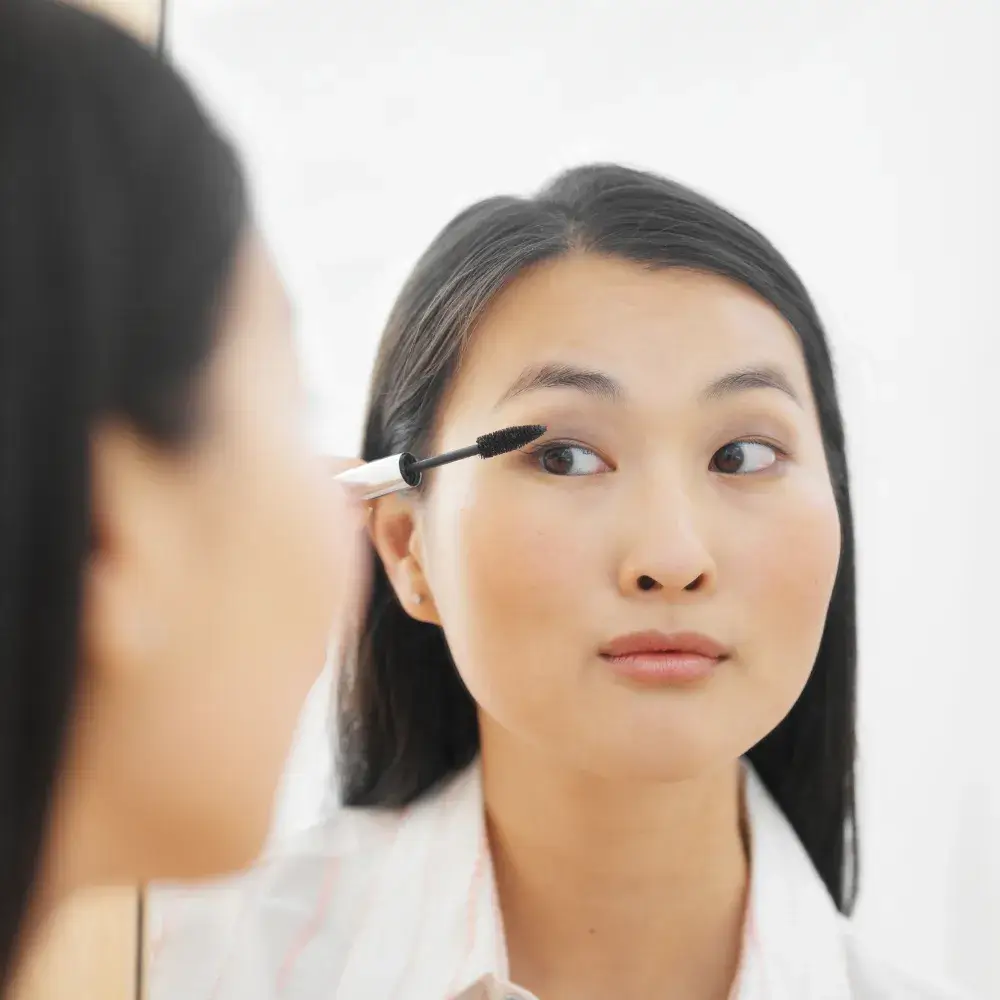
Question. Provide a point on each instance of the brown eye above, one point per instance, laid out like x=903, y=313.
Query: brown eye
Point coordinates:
x=742, y=458
x=570, y=460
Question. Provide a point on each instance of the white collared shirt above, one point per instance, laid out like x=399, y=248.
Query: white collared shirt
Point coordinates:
x=402, y=905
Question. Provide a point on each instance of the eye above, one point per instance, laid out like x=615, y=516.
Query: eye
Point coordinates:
x=743, y=458
x=563, y=459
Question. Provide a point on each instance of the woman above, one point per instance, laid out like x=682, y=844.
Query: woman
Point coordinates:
x=599, y=738
x=171, y=555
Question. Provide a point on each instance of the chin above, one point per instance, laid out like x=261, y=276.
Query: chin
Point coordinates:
x=244, y=852
x=671, y=769
x=216, y=857
x=639, y=757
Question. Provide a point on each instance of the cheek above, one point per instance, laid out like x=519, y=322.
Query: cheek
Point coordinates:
x=512, y=570
x=290, y=570
x=267, y=584
x=520, y=560
x=785, y=572
x=275, y=533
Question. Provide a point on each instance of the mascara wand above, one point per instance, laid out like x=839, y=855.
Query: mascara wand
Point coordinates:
x=406, y=471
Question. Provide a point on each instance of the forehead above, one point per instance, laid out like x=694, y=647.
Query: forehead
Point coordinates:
x=655, y=330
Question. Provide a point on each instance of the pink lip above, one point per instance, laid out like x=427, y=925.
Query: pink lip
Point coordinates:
x=657, y=658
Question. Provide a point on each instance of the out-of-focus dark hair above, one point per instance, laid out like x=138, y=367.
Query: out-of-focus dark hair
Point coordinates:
x=121, y=211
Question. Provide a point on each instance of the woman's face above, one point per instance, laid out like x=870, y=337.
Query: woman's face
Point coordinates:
x=681, y=488
x=210, y=599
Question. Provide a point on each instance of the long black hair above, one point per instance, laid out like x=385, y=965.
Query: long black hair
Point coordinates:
x=121, y=211
x=406, y=719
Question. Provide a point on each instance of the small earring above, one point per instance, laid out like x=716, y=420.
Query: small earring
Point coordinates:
x=418, y=598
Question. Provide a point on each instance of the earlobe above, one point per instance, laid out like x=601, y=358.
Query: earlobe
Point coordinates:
x=120, y=632
x=395, y=535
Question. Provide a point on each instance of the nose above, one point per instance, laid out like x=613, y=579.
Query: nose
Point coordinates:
x=667, y=553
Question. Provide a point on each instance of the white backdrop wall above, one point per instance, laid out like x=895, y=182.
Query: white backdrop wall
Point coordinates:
x=862, y=137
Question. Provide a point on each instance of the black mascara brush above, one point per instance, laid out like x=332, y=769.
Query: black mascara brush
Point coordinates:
x=406, y=471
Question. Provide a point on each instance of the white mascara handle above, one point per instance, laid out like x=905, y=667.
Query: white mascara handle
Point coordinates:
x=382, y=477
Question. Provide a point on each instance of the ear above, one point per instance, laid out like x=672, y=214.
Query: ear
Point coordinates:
x=398, y=539
x=123, y=604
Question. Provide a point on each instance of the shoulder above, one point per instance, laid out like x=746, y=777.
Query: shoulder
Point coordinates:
x=227, y=937
x=306, y=904
x=874, y=977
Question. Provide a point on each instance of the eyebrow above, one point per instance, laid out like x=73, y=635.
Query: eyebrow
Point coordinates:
x=562, y=376
x=604, y=386
x=747, y=379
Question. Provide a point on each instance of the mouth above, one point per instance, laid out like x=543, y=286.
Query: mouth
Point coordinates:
x=655, y=658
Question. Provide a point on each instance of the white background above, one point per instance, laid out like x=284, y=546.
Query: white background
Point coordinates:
x=862, y=137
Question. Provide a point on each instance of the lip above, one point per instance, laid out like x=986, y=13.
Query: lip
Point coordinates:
x=659, y=658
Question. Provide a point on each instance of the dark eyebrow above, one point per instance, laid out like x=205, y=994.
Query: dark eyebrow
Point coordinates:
x=751, y=378
x=561, y=376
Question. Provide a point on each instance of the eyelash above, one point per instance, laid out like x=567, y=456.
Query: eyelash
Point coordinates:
x=537, y=451
x=780, y=455
x=766, y=442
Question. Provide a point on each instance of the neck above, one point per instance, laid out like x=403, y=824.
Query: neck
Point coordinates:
x=644, y=883
x=91, y=841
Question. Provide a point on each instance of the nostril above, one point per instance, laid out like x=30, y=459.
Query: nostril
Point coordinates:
x=646, y=583
x=695, y=584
